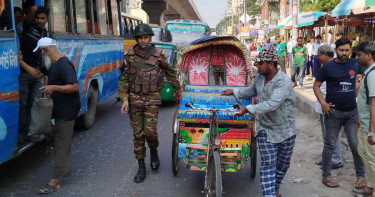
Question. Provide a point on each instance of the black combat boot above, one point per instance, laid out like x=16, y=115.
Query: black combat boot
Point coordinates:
x=155, y=163
x=141, y=174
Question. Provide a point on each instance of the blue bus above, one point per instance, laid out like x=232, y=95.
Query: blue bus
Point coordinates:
x=181, y=32
x=88, y=33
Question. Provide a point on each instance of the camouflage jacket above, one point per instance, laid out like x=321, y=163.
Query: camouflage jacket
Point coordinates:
x=135, y=60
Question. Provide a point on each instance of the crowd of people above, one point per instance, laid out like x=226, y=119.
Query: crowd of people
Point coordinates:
x=343, y=101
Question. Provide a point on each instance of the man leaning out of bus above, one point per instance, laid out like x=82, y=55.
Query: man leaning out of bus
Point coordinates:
x=33, y=30
x=63, y=89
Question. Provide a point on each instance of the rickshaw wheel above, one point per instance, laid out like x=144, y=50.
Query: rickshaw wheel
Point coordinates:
x=175, y=159
x=213, y=171
x=253, y=156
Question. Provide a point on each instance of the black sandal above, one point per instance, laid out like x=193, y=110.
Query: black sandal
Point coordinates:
x=49, y=189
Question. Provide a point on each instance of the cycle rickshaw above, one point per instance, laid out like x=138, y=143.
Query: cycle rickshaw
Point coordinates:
x=207, y=135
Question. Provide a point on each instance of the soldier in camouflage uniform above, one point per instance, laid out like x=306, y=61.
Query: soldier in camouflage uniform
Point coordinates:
x=142, y=77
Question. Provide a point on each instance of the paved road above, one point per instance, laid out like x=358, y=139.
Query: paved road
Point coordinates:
x=103, y=165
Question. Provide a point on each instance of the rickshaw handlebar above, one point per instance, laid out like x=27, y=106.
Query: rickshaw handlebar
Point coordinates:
x=213, y=109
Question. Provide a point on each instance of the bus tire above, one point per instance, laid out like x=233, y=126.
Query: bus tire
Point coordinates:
x=86, y=120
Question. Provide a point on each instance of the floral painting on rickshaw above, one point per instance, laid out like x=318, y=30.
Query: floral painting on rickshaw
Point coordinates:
x=198, y=63
x=236, y=68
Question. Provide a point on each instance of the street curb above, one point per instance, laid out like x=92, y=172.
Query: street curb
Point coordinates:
x=304, y=104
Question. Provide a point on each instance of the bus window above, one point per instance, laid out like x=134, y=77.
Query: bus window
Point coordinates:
x=126, y=28
x=131, y=29
x=95, y=13
x=134, y=23
x=115, y=18
x=80, y=16
x=109, y=18
x=5, y=16
x=102, y=17
x=58, y=16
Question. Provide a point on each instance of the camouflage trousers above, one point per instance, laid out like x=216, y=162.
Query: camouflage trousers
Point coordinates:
x=219, y=73
x=144, y=120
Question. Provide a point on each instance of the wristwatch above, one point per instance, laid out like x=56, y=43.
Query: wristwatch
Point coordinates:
x=370, y=133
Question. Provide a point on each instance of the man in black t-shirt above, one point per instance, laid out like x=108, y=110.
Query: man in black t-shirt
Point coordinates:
x=63, y=89
x=340, y=108
x=29, y=87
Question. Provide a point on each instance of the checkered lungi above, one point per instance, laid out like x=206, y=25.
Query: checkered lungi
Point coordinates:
x=275, y=161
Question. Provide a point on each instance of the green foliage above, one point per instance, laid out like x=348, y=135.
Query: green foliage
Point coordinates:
x=274, y=32
x=273, y=7
x=220, y=27
x=321, y=5
x=253, y=7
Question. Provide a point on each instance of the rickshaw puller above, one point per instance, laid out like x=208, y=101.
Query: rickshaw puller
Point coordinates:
x=141, y=79
x=275, y=131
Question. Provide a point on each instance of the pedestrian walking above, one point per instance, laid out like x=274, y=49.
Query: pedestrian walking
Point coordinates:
x=289, y=48
x=281, y=50
x=340, y=109
x=259, y=46
x=63, y=88
x=325, y=54
x=28, y=86
x=315, y=65
x=308, y=60
x=139, y=86
x=333, y=45
x=299, y=54
x=275, y=131
x=267, y=43
x=366, y=111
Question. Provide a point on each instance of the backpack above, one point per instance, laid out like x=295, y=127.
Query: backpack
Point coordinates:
x=366, y=87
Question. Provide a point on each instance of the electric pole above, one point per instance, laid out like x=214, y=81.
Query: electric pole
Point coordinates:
x=295, y=21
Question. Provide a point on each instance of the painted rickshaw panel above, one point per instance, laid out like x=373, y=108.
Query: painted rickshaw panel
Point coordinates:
x=235, y=134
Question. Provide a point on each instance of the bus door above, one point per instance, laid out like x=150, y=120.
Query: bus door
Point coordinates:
x=9, y=72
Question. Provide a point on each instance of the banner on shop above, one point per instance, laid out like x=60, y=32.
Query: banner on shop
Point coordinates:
x=229, y=30
x=245, y=29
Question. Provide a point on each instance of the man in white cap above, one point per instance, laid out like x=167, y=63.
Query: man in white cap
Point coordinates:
x=63, y=89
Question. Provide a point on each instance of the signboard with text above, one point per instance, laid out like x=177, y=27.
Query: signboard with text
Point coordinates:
x=186, y=28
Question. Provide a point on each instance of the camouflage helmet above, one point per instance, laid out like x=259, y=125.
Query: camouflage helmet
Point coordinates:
x=143, y=29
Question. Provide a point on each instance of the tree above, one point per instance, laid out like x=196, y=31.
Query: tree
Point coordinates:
x=253, y=7
x=220, y=27
x=321, y=5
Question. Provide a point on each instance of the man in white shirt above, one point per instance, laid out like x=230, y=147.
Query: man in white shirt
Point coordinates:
x=325, y=54
x=289, y=51
x=308, y=60
x=315, y=65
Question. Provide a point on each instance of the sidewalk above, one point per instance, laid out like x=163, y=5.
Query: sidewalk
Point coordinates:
x=305, y=99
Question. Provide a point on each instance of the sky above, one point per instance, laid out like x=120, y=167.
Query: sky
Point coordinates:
x=212, y=11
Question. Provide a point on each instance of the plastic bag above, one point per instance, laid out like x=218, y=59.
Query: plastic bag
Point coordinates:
x=41, y=113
